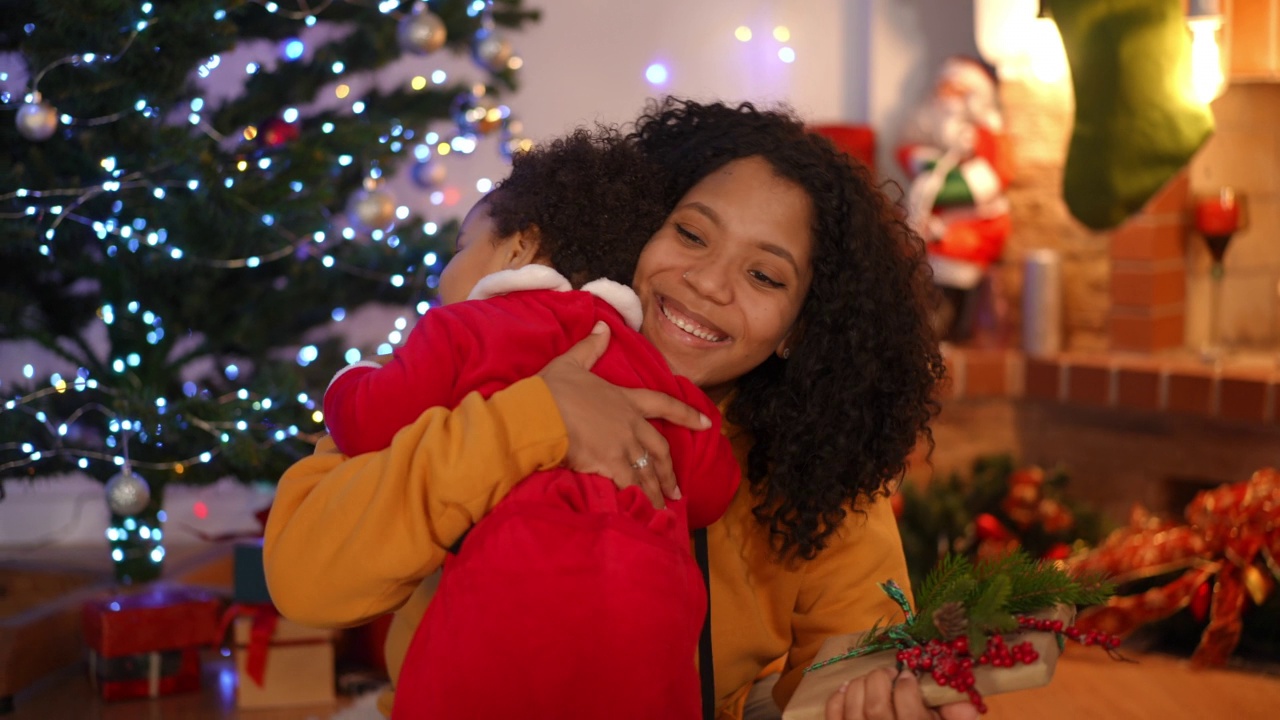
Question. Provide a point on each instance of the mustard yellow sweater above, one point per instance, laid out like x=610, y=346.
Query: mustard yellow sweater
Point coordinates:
x=350, y=539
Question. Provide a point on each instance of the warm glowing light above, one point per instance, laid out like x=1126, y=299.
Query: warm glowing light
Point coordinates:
x=743, y=33
x=781, y=33
x=515, y=63
x=443, y=149
x=317, y=417
x=1206, y=58
x=342, y=91
x=418, y=82
x=250, y=132
x=241, y=165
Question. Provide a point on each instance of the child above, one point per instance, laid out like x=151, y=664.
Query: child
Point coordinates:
x=572, y=599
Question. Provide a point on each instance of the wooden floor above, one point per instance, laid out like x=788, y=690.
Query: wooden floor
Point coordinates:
x=1087, y=685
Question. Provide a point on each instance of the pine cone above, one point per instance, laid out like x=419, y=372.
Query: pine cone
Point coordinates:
x=951, y=620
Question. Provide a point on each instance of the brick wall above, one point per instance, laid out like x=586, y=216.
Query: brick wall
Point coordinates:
x=1144, y=286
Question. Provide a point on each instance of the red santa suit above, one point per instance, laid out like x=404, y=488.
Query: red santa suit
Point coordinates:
x=572, y=599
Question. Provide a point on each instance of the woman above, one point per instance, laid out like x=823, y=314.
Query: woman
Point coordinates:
x=786, y=286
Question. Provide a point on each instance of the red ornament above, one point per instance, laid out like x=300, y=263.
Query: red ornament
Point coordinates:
x=276, y=132
x=990, y=528
x=1060, y=551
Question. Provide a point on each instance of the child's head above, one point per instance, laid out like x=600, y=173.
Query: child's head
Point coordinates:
x=584, y=204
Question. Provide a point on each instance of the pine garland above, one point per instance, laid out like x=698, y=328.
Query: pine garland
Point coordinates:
x=995, y=591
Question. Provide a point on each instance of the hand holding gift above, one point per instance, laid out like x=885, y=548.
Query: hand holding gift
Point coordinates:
x=981, y=629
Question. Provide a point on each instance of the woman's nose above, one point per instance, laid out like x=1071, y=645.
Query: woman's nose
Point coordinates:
x=710, y=282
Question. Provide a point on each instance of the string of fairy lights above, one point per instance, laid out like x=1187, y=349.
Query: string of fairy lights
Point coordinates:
x=371, y=212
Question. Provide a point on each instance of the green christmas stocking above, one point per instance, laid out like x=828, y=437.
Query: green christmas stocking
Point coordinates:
x=1137, y=122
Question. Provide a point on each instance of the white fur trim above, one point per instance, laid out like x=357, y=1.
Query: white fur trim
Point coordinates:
x=622, y=298
x=983, y=182
x=529, y=277
x=352, y=366
x=541, y=277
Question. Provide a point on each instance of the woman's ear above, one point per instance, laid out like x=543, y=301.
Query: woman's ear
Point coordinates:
x=788, y=341
x=523, y=248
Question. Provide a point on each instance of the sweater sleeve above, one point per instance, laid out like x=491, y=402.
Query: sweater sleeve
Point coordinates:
x=349, y=539
x=366, y=404
x=840, y=592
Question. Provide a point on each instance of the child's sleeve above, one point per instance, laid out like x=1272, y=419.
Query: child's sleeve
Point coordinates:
x=713, y=475
x=367, y=404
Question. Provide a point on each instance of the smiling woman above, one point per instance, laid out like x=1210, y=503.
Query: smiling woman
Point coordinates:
x=786, y=286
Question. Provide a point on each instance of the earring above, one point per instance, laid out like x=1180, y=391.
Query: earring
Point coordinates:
x=786, y=353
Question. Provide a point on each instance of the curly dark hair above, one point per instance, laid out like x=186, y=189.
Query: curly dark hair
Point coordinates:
x=594, y=198
x=839, y=418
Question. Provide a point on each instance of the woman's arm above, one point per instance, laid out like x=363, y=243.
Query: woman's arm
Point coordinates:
x=349, y=539
x=840, y=593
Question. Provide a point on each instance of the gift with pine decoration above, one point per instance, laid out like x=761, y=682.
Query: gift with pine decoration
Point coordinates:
x=980, y=629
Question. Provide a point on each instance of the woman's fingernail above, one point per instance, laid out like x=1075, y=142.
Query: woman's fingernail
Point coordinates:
x=675, y=493
x=904, y=675
x=844, y=686
x=600, y=328
x=704, y=420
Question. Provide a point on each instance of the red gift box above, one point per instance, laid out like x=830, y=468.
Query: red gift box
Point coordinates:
x=146, y=675
x=145, y=643
x=159, y=617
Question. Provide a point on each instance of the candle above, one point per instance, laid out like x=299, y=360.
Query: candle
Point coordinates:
x=1218, y=214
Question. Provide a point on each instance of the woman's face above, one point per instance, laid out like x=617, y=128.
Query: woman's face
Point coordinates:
x=723, y=281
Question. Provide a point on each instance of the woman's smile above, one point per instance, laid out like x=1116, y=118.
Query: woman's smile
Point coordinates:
x=692, y=326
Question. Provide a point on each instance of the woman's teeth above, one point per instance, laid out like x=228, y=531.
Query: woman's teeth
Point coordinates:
x=690, y=328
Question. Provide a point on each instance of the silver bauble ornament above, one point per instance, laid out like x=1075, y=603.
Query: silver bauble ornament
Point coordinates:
x=477, y=114
x=422, y=32
x=492, y=51
x=37, y=120
x=371, y=209
x=513, y=141
x=428, y=175
x=127, y=494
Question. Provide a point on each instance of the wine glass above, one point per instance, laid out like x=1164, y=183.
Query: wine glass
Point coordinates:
x=1218, y=217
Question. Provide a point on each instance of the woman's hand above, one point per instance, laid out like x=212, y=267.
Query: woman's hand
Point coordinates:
x=889, y=695
x=608, y=425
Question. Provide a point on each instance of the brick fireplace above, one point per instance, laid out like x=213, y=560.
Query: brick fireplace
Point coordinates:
x=1128, y=407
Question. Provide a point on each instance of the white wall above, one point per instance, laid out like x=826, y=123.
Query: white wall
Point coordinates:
x=585, y=62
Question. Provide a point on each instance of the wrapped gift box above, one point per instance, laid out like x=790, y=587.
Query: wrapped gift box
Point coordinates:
x=145, y=643
x=296, y=665
x=250, y=578
x=146, y=675
x=810, y=699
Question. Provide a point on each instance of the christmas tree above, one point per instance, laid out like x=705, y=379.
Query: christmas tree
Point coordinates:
x=179, y=254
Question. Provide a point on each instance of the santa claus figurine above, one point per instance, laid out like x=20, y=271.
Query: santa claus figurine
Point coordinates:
x=954, y=154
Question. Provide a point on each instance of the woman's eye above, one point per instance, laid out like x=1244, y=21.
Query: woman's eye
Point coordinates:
x=688, y=236
x=765, y=279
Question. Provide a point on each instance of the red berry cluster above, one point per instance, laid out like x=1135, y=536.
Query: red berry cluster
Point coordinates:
x=951, y=664
x=1092, y=637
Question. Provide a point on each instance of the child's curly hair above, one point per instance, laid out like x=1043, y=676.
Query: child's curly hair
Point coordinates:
x=594, y=198
x=838, y=420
